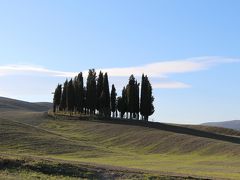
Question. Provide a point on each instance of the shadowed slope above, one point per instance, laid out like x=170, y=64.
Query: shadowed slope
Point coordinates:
x=148, y=138
x=181, y=129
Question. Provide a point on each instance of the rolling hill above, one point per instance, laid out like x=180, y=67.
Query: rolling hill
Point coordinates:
x=7, y=104
x=235, y=124
x=35, y=144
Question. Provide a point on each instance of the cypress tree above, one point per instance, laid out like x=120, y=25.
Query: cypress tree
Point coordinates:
x=120, y=106
x=70, y=96
x=150, y=99
x=122, y=103
x=57, y=98
x=85, y=100
x=136, y=100
x=143, y=98
x=99, y=92
x=81, y=92
x=131, y=95
x=91, y=91
x=113, y=100
x=146, y=106
x=63, y=103
x=78, y=92
x=124, y=98
x=105, y=97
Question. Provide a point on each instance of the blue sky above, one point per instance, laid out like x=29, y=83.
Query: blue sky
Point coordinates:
x=190, y=49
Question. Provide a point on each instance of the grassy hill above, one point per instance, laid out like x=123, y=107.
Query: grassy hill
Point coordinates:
x=7, y=104
x=34, y=145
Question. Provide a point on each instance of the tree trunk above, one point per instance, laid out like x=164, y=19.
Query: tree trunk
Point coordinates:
x=146, y=118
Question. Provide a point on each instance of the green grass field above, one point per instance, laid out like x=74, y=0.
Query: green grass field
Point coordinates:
x=114, y=147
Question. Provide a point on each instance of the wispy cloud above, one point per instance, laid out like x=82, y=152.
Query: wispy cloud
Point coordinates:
x=160, y=70
x=164, y=68
x=170, y=85
x=31, y=69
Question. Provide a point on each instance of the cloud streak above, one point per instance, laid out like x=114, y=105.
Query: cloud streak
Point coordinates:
x=30, y=69
x=164, y=68
x=160, y=70
x=170, y=85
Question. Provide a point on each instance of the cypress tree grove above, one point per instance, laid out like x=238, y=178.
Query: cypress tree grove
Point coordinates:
x=74, y=96
x=63, y=103
x=113, y=101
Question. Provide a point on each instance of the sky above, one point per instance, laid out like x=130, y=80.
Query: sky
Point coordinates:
x=189, y=49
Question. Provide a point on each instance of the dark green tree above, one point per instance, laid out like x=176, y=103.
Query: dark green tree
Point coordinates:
x=99, y=92
x=91, y=91
x=122, y=103
x=120, y=106
x=81, y=92
x=78, y=92
x=131, y=96
x=70, y=96
x=57, y=98
x=136, y=100
x=63, y=103
x=113, y=101
x=146, y=106
x=143, y=98
x=85, y=100
x=105, y=97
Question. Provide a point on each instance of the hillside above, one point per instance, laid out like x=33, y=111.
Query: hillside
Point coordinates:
x=35, y=144
x=7, y=104
x=122, y=149
x=235, y=124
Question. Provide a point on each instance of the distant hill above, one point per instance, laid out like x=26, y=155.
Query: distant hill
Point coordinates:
x=7, y=104
x=235, y=124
